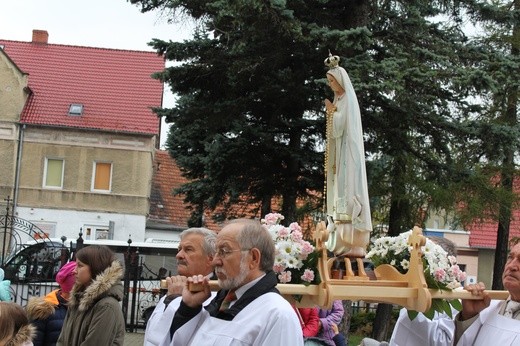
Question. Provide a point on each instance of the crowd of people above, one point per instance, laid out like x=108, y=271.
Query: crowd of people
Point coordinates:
x=85, y=310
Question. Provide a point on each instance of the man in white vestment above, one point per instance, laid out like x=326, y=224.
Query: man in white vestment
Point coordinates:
x=248, y=310
x=194, y=256
x=486, y=322
x=348, y=207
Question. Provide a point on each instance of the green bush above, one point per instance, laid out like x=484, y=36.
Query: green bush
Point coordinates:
x=361, y=322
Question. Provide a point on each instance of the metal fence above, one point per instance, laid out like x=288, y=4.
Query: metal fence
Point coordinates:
x=141, y=286
x=30, y=262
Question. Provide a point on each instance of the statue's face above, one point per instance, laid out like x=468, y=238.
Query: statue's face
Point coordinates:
x=334, y=85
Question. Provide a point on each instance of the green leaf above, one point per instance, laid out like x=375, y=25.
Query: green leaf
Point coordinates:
x=431, y=312
x=446, y=307
x=456, y=304
x=412, y=314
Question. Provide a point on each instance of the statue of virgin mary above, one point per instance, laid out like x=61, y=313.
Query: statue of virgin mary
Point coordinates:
x=347, y=203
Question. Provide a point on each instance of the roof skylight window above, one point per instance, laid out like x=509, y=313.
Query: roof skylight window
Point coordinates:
x=76, y=109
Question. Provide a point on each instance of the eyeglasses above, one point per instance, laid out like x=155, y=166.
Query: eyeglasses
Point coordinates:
x=223, y=253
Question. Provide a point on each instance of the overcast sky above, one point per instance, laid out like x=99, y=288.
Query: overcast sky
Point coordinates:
x=95, y=23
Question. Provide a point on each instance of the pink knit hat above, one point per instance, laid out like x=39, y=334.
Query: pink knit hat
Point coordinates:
x=66, y=277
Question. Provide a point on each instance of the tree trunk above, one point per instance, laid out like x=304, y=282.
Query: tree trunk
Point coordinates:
x=382, y=321
x=504, y=219
x=344, y=325
x=507, y=175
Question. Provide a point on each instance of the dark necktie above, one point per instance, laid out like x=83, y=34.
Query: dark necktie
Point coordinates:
x=230, y=296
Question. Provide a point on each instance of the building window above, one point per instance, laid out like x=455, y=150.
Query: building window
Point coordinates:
x=53, y=173
x=76, y=109
x=102, y=177
x=92, y=232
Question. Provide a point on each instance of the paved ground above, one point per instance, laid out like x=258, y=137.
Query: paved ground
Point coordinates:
x=134, y=339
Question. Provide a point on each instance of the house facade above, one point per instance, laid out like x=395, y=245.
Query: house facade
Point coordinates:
x=78, y=136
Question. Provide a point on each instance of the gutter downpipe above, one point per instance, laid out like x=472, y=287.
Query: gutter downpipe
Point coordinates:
x=18, y=167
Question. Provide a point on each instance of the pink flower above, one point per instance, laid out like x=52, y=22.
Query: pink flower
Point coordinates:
x=461, y=276
x=283, y=232
x=455, y=270
x=294, y=226
x=285, y=277
x=439, y=274
x=278, y=268
x=273, y=218
x=307, y=248
x=296, y=236
x=308, y=275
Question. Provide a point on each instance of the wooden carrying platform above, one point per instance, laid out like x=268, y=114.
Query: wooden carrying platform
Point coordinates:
x=408, y=290
x=390, y=286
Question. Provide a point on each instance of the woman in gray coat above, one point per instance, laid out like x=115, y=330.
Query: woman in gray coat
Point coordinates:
x=94, y=315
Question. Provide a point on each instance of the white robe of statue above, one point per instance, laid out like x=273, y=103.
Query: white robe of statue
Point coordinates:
x=347, y=189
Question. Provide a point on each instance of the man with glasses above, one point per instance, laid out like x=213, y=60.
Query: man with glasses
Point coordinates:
x=248, y=310
x=195, y=256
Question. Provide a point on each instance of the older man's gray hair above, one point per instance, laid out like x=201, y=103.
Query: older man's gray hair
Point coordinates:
x=210, y=238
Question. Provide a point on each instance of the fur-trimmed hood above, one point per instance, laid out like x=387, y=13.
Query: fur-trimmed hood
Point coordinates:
x=24, y=336
x=40, y=308
x=108, y=283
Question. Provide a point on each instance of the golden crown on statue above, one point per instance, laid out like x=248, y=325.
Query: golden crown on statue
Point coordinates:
x=332, y=61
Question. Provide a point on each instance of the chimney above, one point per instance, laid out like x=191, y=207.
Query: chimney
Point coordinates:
x=40, y=36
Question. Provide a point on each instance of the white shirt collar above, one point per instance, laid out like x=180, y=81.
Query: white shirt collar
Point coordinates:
x=240, y=291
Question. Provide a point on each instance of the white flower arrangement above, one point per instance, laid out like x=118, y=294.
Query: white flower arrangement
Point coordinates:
x=295, y=259
x=441, y=271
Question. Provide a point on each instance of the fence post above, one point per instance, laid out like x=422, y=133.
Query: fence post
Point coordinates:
x=79, y=242
x=126, y=283
x=135, y=276
x=64, y=258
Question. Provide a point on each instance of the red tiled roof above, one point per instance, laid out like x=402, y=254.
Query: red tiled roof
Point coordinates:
x=167, y=177
x=169, y=209
x=115, y=86
x=164, y=206
x=484, y=235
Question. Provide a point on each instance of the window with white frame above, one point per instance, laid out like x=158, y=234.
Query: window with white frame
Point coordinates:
x=93, y=232
x=53, y=173
x=102, y=177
